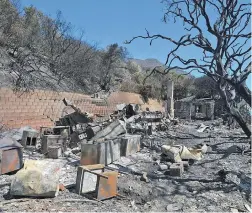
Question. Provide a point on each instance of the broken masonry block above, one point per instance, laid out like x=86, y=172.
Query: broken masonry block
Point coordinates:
x=190, y=153
x=176, y=169
x=29, y=138
x=185, y=164
x=62, y=187
x=144, y=177
x=163, y=167
x=172, y=152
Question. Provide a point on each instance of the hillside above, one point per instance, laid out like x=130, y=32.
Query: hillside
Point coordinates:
x=147, y=63
x=39, y=52
x=151, y=63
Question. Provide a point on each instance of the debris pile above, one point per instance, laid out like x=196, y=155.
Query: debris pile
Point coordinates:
x=75, y=135
x=82, y=157
x=181, y=157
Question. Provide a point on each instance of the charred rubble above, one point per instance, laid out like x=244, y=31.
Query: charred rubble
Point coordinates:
x=97, y=150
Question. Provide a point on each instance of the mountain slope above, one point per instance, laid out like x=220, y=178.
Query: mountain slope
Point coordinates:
x=150, y=63
x=147, y=63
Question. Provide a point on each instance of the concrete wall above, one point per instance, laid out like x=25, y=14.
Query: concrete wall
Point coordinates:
x=41, y=108
x=207, y=110
x=183, y=110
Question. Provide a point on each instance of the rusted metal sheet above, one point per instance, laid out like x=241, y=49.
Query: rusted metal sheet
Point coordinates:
x=107, y=187
x=11, y=155
x=12, y=160
x=89, y=154
x=92, y=178
x=109, y=151
x=86, y=180
x=104, y=152
x=53, y=140
x=130, y=144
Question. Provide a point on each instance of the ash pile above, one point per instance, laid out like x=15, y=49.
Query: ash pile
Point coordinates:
x=88, y=144
x=118, y=157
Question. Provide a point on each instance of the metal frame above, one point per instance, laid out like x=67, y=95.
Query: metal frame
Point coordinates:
x=106, y=185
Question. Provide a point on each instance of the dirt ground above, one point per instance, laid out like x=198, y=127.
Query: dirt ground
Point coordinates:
x=201, y=188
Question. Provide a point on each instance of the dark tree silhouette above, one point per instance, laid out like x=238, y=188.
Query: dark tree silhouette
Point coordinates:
x=225, y=57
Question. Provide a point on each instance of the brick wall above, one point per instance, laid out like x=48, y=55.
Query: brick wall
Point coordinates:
x=41, y=108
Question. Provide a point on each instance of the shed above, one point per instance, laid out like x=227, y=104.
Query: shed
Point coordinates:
x=193, y=108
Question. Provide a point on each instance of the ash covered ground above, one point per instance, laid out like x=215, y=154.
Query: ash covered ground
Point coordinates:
x=221, y=181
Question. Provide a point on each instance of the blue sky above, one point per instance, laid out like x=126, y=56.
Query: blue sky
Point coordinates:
x=114, y=21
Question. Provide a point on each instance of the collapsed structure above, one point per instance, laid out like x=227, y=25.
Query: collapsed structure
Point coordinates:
x=96, y=141
x=193, y=108
x=99, y=141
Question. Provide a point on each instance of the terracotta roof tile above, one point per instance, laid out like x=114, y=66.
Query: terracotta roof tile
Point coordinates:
x=115, y=98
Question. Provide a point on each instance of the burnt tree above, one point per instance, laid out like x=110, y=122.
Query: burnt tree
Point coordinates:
x=224, y=41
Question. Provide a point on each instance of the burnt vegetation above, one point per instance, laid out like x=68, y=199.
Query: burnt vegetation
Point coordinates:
x=38, y=51
x=224, y=43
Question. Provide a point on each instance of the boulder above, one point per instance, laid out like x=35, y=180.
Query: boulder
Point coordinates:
x=38, y=178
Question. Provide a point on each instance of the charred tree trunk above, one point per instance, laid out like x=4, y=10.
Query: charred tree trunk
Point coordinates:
x=238, y=117
x=244, y=92
x=235, y=113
